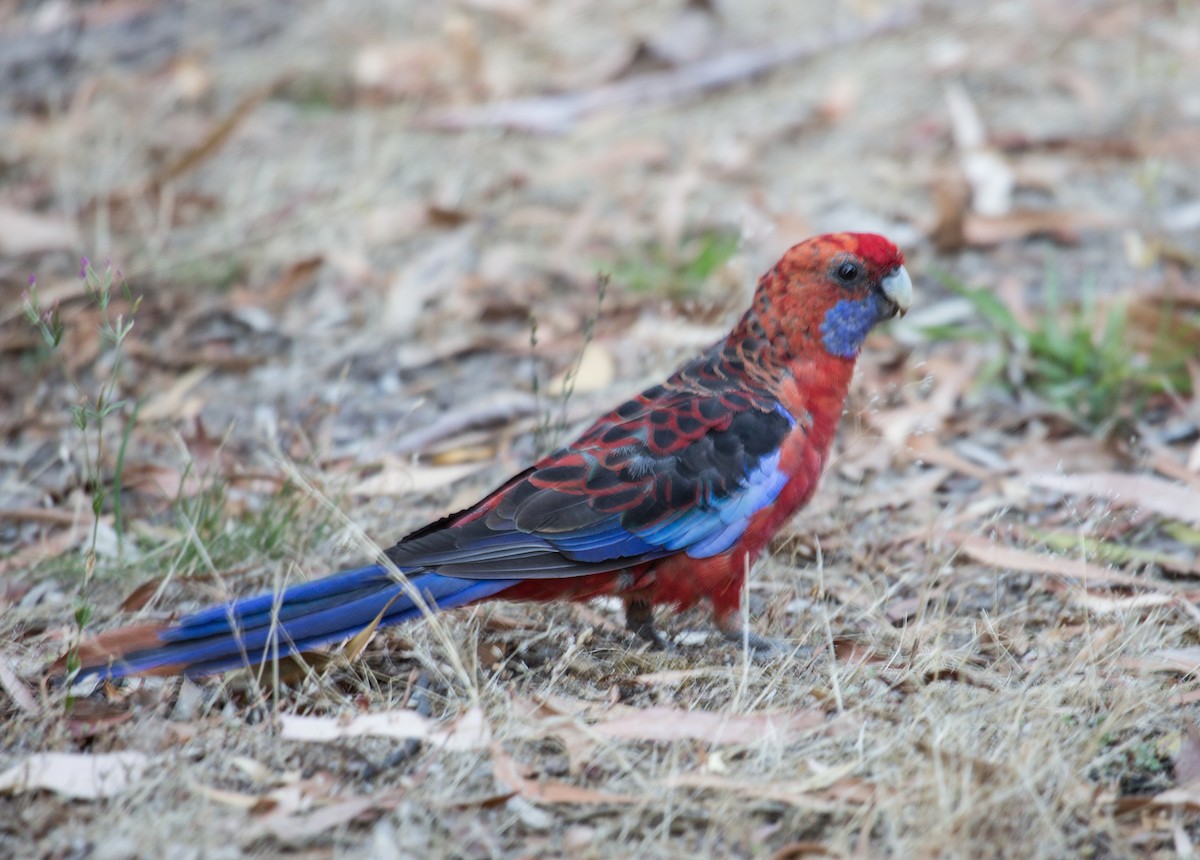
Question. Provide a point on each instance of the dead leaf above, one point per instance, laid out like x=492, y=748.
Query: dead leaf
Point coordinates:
x=508, y=772
x=994, y=554
x=951, y=377
x=988, y=174
x=1070, y=454
x=1103, y=604
x=504, y=407
x=50, y=547
x=902, y=610
x=557, y=114
x=163, y=482
x=400, y=70
x=805, y=848
x=952, y=196
x=435, y=272
x=299, y=810
x=174, y=402
x=1159, y=321
x=358, y=642
x=490, y=654
x=294, y=829
x=1096, y=642
x=213, y=141
x=1061, y=225
x=82, y=776
x=23, y=232
x=549, y=719
x=390, y=222
x=673, y=724
x=1176, y=798
x=48, y=516
x=921, y=486
x=689, y=36
x=672, y=677
x=90, y=718
x=189, y=78
x=1183, y=660
x=1143, y=491
x=927, y=449
x=520, y=13
x=594, y=371
x=402, y=477
x=141, y=596
x=826, y=789
x=1187, y=763
x=461, y=454
x=261, y=774
x=1162, y=460
x=467, y=732
x=236, y=799
x=20, y=694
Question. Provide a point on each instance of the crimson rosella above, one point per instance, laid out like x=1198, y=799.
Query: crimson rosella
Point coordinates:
x=667, y=499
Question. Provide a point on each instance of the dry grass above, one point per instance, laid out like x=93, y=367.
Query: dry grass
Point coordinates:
x=984, y=665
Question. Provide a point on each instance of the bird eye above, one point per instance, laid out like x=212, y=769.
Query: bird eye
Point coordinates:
x=847, y=272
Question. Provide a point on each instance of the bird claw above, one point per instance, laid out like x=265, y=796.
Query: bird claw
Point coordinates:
x=419, y=704
x=639, y=619
x=656, y=640
x=759, y=646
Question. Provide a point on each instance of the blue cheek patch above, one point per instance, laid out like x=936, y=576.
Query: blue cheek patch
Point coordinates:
x=846, y=326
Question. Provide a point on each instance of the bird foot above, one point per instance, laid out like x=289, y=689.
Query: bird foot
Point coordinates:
x=639, y=619
x=760, y=647
x=657, y=641
x=419, y=703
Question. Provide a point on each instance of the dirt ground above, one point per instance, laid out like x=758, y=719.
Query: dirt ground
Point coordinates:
x=385, y=253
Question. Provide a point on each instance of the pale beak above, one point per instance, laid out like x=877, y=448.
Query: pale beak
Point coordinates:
x=897, y=288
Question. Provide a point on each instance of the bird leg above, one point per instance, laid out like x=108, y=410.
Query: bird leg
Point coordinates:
x=732, y=629
x=418, y=701
x=639, y=619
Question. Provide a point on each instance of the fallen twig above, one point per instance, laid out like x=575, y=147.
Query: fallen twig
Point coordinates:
x=500, y=410
x=557, y=113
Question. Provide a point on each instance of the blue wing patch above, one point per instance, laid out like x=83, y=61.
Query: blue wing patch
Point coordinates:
x=715, y=525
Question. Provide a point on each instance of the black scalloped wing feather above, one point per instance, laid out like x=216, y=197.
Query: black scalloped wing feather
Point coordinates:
x=680, y=467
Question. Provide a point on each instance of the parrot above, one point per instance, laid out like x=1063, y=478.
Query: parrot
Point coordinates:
x=667, y=500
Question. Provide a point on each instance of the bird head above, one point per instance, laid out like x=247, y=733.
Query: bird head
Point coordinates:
x=830, y=291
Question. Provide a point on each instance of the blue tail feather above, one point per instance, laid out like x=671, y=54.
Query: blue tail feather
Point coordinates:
x=254, y=630
x=293, y=602
x=335, y=587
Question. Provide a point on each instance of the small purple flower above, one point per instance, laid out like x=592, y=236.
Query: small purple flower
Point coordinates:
x=32, y=280
x=83, y=267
